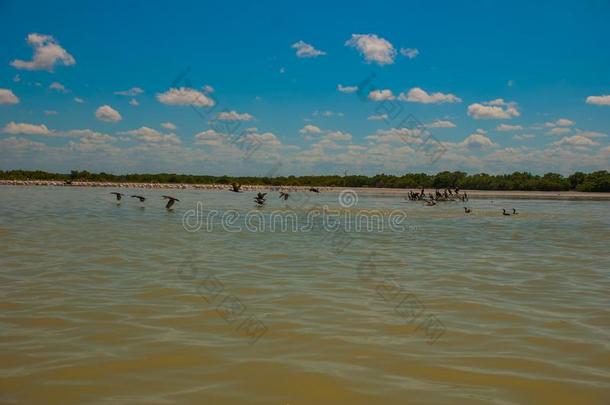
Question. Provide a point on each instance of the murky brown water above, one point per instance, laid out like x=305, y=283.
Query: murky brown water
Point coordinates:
x=102, y=303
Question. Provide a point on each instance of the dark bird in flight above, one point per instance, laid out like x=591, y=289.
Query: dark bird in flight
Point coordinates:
x=314, y=190
x=236, y=188
x=170, y=202
x=467, y=210
x=284, y=196
x=118, y=195
x=515, y=212
x=139, y=197
x=260, y=199
x=505, y=213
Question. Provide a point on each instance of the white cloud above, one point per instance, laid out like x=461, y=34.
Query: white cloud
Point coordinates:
x=558, y=131
x=523, y=137
x=347, y=89
x=441, y=124
x=305, y=50
x=599, y=100
x=50, y=112
x=310, y=129
x=185, y=96
x=576, y=140
x=592, y=134
x=373, y=48
x=8, y=97
x=508, y=128
x=266, y=138
x=210, y=137
x=397, y=135
x=14, y=128
x=47, y=54
x=338, y=136
x=381, y=95
x=495, y=109
x=379, y=117
x=233, y=116
x=169, y=125
x=134, y=91
x=562, y=122
x=146, y=134
x=409, y=52
x=108, y=114
x=16, y=78
x=418, y=95
x=57, y=86
x=510, y=83
x=134, y=102
x=79, y=100
x=208, y=89
x=477, y=141
x=328, y=113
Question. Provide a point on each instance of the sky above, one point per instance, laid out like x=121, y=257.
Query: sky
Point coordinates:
x=272, y=88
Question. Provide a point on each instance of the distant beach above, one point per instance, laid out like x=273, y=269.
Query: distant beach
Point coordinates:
x=483, y=194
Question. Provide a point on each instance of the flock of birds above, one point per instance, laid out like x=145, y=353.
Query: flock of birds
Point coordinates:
x=260, y=199
x=447, y=195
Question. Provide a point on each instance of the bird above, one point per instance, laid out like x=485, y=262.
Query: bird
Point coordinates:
x=505, y=213
x=284, y=196
x=515, y=212
x=236, y=188
x=314, y=190
x=430, y=203
x=467, y=210
x=118, y=195
x=139, y=197
x=260, y=199
x=171, y=201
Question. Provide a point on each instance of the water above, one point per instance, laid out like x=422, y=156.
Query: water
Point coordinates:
x=120, y=304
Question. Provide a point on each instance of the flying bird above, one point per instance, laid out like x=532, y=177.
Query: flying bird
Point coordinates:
x=236, y=188
x=139, y=197
x=260, y=199
x=467, y=210
x=118, y=195
x=284, y=196
x=170, y=202
x=314, y=190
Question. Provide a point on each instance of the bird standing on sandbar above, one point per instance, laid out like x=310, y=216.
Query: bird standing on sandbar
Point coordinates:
x=515, y=212
x=171, y=201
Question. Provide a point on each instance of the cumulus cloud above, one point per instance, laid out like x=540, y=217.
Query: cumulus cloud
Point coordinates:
x=477, y=141
x=599, y=100
x=233, y=116
x=134, y=91
x=441, y=124
x=397, y=135
x=523, y=137
x=210, y=137
x=14, y=128
x=169, y=125
x=558, y=131
x=493, y=110
x=134, y=102
x=576, y=141
x=79, y=100
x=373, y=48
x=185, y=96
x=8, y=97
x=57, y=86
x=107, y=114
x=146, y=134
x=562, y=122
x=379, y=117
x=305, y=50
x=508, y=128
x=409, y=52
x=310, y=129
x=47, y=54
x=50, y=112
x=418, y=95
x=338, y=136
x=347, y=89
x=381, y=95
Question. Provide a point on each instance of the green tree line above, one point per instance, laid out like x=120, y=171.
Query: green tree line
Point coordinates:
x=595, y=181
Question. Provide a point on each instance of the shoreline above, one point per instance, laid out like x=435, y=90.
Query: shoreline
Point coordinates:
x=477, y=194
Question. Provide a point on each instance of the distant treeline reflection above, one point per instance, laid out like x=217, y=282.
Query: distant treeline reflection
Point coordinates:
x=596, y=181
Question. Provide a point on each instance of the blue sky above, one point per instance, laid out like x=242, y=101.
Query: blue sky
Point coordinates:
x=497, y=87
